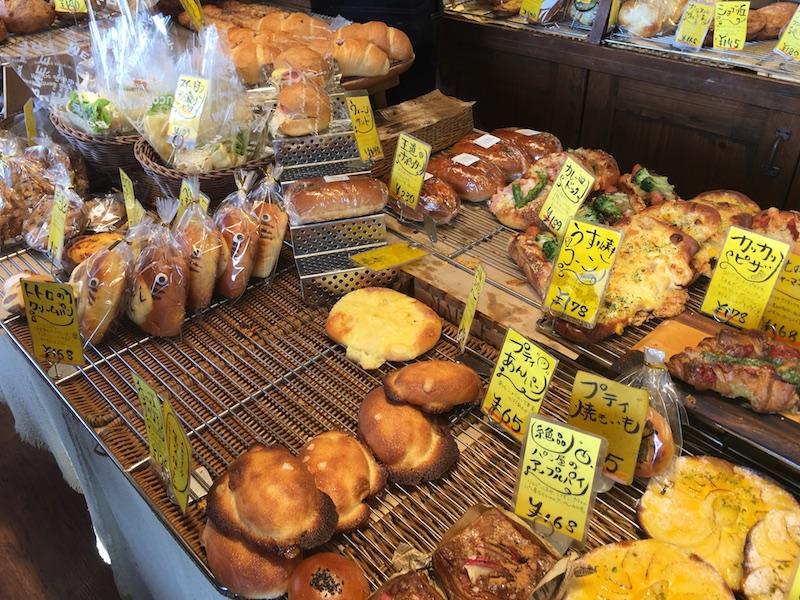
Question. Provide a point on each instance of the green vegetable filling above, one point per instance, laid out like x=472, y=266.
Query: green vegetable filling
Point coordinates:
x=651, y=182
x=520, y=200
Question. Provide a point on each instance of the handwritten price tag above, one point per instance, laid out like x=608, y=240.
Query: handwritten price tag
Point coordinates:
x=782, y=316
x=187, y=108
x=581, y=272
x=614, y=411
x=747, y=271
x=30, y=120
x=408, y=171
x=53, y=321
x=179, y=456
x=789, y=43
x=555, y=486
x=530, y=9
x=192, y=8
x=388, y=257
x=569, y=191
x=58, y=222
x=73, y=6
x=153, y=414
x=133, y=208
x=369, y=144
x=518, y=384
x=694, y=25
x=730, y=25
x=471, y=305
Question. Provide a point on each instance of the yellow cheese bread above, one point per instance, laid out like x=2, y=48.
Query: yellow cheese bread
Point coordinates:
x=707, y=506
x=771, y=552
x=734, y=208
x=646, y=569
x=380, y=324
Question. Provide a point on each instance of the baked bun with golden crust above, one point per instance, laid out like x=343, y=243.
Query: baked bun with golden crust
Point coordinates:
x=303, y=108
x=434, y=386
x=13, y=301
x=245, y=570
x=272, y=223
x=328, y=576
x=345, y=470
x=414, y=447
x=269, y=498
x=303, y=62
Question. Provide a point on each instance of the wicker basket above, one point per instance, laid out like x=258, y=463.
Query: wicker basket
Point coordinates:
x=215, y=184
x=105, y=154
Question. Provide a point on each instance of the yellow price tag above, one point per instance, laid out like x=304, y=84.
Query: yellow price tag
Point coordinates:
x=569, y=191
x=794, y=588
x=782, y=316
x=388, y=257
x=694, y=25
x=530, y=9
x=53, y=320
x=153, y=415
x=408, y=170
x=614, y=411
x=369, y=144
x=203, y=201
x=133, y=208
x=748, y=268
x=30, y=120
x=789, y=42
x=58, y=222
x=581, y=272
x=730, y=25
x=187, y=108
x=556, y=481
x=72, y=6
x=471, y=305
x=179, y=456
x=518, y=384
x=192, y=8
x=185, y=199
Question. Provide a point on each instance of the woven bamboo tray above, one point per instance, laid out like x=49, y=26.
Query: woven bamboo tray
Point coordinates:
x=215, y=184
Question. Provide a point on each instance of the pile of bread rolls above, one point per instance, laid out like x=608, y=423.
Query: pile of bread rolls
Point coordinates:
x=258, y=36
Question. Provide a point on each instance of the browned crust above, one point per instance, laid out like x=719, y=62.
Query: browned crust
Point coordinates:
x=448, y=385
x=536, y=146
x=422, y=585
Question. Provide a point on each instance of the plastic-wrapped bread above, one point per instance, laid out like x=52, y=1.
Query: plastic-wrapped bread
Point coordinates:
x=436, y=198
x=36, y=229
x=272, y=223
x=205, y=254
x=317, y=200
x=239, y=230
x=303, y=108
x=160, y=275
x=301, y=62
x=101, y=283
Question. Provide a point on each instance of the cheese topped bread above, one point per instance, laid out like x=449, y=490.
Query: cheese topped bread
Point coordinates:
x=380, y=324
x=734, y=208
x=707, y=506
x=771, y=551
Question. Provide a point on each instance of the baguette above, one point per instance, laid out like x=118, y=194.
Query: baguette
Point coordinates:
x=316, y=200
x=360, y=58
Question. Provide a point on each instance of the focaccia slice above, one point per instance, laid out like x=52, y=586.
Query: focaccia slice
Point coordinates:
x=771, y=550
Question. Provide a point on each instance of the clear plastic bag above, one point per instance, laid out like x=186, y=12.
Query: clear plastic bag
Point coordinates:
x=550, y=11
x=36, y=229
x=239, y=229
x=662, y=440
x=205, y=253
x=62, y=166
x=101, y=284
x=13, y=212
x=328, y=198
x=272, y=224
x=649, y=18
x=303, y=108
x=105, y=213
x=160, y=280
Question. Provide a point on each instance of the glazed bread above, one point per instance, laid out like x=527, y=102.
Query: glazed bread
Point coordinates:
x=345, y=470
x=360, y=58
x=414, y=585
x=537, y=144
x=414, y=447
x=437, y=199
x=328, y=576
x=434, y=386
x=269, y=498
x=317, y=200
x=508, y=158
x=474, y=182
x=272, y=223
x=380, y=324
x=246, y=570
x=239, y=232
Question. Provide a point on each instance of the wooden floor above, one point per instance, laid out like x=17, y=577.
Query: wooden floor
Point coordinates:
x=47, y=546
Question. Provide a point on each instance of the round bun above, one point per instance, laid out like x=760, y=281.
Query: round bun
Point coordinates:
x=657, y=448
x=434, y=386
x=304, y=62
x=328, y=576
x=244, y=570
x=303, y=108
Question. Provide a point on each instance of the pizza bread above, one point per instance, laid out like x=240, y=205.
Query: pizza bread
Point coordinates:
x=345, y=470
x=435, y=386
x=380, y=324
x=771, y=550
x=268, y=498
x=414, y=447
x=603, y=166
x=783, y=225
x=643, y=569
x=734, y=208
x=707, y=506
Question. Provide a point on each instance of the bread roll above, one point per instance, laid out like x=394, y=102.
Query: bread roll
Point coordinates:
x=26, y=16
x=272, y=223
x=328, y=576
x=317, y=200
x=776, y=16
x=321, y=45
x=244, y=569
x=239, y=231
x=506, y=157
x=475, y=182
x=251, y=58
x=392, y=41
x=13, y=301
x=435, y=386
x=304, y=108
x=298, y=23
x=436, y=199
x=100, y=283
x=268, y=498
x=237, y=35
x=271, y=22
x=414, y=447
x=205, y=253
x=345, y=470
x=83, y=246
x=640, y=17
x=414, y=585
x=360, y=58
x=302, y=63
